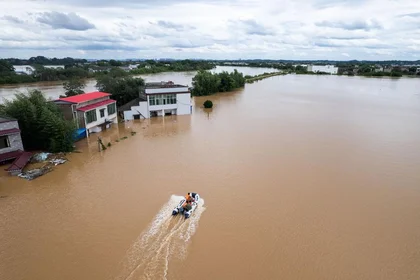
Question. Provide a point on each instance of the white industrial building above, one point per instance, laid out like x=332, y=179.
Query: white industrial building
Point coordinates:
x=23, y=69
x=323, y=68
x=160, y=99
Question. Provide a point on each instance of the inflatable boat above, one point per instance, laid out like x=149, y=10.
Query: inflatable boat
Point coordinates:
x=183, y=210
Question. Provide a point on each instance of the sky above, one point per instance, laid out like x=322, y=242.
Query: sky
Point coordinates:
x=211, y=29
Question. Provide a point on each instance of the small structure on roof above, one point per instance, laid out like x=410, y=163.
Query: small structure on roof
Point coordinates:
x=93, y=111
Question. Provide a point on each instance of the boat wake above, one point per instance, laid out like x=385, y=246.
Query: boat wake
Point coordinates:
x=166, y=237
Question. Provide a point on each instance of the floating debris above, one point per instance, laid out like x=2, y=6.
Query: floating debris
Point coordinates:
x=40, y=157
x=35, y=173
x=49, y=160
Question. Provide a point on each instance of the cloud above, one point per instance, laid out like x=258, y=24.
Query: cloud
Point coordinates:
x=171, y=25
x=69, y=21
x=251, y=27
x=286, y=29
x=13, y=19
x=352, y=25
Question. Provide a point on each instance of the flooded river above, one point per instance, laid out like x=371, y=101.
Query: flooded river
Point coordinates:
x=55, y=89
x=302, y=177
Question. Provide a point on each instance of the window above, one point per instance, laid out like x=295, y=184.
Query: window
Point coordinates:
x=162, y=99
x=111, y=109
x=91, y=116
x=102, y=113
x=4, y=142
x=152, y=100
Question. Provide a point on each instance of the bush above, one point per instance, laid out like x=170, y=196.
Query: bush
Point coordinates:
x=208, y=104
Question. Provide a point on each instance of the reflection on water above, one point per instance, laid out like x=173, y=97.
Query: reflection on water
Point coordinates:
x=304, y=177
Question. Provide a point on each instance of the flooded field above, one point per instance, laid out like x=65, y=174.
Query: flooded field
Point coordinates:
x=303, y=177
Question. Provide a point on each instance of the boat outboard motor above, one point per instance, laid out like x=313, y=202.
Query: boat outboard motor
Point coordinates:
x=178, y=208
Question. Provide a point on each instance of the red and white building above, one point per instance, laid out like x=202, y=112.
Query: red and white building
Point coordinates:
x=93, y=111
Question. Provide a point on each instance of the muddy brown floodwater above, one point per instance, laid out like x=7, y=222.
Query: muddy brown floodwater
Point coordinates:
x=302, y=177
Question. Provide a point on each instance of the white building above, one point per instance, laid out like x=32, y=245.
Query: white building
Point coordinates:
x=54, y=66
x=323, y=68
x=160, y=99
x=23, y=69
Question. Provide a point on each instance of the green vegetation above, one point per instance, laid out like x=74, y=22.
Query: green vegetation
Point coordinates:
x=74, y=86
x=208, y=104
x=42, y=124
x=122, y=87
x=206, y=83
x=80, y=68
x=251, y=79
x=151, y=66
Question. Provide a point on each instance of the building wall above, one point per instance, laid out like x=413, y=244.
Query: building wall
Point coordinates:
x=142, y=108
x=15, y=140
x=67, y=111
x=100, y=120
x=183, y=102
x=165, y=90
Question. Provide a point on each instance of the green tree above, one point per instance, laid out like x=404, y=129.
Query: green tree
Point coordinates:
x=122, y=88
x=74, y=86
x=206, y=83
x=42, y=124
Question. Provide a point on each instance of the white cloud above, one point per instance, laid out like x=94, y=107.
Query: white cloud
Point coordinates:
x=276, y=29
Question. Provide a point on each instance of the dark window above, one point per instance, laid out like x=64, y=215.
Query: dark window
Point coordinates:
x=102, y=113
x=111, y=109
x=91, y=116
x=4, y=142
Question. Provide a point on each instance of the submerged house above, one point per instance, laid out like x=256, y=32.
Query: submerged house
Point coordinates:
x=92, y=112
x=11, y=146
x=159, y=99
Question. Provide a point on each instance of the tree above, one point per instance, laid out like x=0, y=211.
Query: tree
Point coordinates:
x=74, y=86
x=42, y=124
x=208, y=104
x=206, y=83
x=123, y=89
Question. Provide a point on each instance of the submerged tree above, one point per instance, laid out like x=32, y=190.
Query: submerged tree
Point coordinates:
x=41, y=122
x=122, y=88
x=74, y=86
x=206, y=83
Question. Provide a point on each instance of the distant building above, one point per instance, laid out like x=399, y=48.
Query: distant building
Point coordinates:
x=93, y=111
x=23, y=69
x=133, y=66
x=54, y=66
x=323, y=68
x=159, y=99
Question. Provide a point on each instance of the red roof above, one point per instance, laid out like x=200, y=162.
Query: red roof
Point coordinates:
x=84, y=97
x=96, y=105
x=9, y=131
x=10, y=155
x=20, y=162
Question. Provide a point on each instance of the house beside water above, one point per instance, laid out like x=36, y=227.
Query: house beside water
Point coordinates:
x=159, y=99
x=92, y=112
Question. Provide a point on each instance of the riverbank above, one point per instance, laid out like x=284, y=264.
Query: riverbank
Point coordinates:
x=262, y=76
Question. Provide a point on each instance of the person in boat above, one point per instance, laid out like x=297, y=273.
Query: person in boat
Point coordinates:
x=189, y=198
